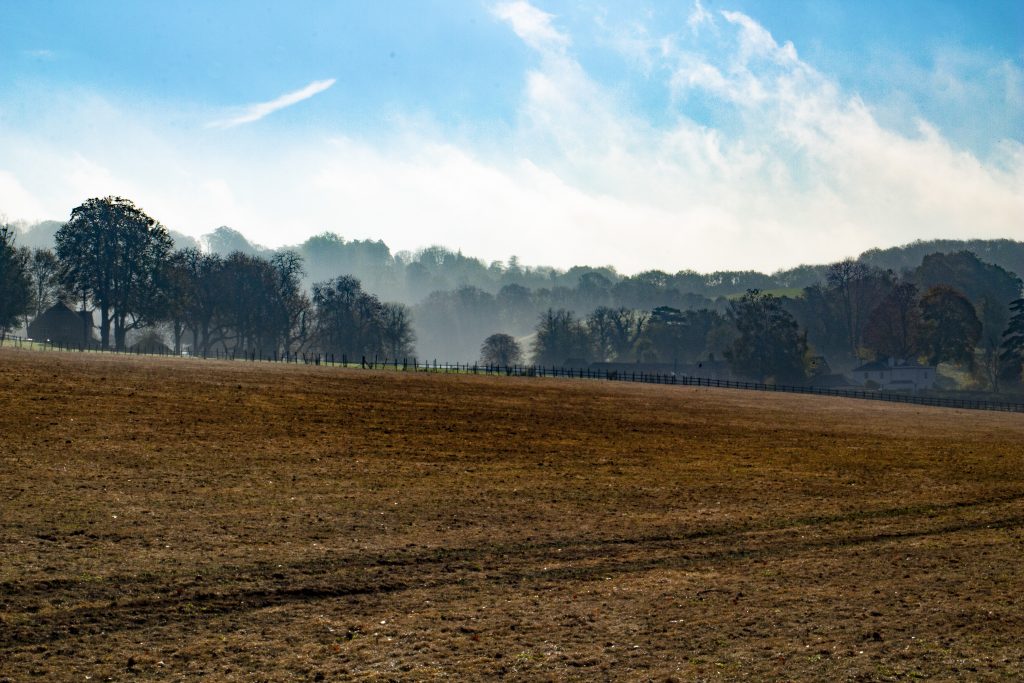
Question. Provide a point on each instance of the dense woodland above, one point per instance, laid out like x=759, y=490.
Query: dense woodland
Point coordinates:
x=944, y=301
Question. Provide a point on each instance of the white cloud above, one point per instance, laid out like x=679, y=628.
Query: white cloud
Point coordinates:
x=699, y=16
x=17, y=203
x=807, y=173
x=533, y=25
x=255, y=112
x=787, y=168
x=755, y=40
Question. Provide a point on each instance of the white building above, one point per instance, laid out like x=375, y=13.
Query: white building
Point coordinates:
x=895, y=375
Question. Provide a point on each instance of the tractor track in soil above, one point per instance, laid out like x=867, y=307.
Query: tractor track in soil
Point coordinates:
x=359, y=575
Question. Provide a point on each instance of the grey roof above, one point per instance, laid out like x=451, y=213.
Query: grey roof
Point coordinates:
x=878, y=365
x=873, y=366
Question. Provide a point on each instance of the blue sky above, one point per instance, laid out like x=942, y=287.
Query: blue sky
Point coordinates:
x=713, y=134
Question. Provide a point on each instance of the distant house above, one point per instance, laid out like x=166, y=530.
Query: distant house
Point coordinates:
x=60, y=325
x=893, y=374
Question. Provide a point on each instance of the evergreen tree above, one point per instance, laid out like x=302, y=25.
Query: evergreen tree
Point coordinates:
x=15, y=285
x=1012, y=348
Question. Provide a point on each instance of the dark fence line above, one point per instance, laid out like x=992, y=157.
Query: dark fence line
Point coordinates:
x=684, y=380
x=415, y=365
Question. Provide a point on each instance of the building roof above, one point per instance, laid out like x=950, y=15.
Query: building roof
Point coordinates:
x=879, y=365
x=873, y=366
x=60, y=323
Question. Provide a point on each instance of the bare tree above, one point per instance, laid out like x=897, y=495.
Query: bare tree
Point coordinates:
x=397, y=336
x=560, y=338
x=347, y=318
x=44, y=270
x=858, y=288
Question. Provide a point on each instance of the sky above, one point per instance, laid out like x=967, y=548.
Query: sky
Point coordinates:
x=703, y=134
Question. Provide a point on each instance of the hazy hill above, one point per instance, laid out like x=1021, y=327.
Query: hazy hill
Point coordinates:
x=1005, y=253
x=40, y=236
x=410, y=277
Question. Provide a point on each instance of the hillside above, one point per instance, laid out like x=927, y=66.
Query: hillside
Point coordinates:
x=1007, y=254
x=179, y=518
x=409, y=277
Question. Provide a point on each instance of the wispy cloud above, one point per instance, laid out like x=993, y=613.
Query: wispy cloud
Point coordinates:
x=698, y=16
x=255, y=112
x=41, y=55
x=533, y=25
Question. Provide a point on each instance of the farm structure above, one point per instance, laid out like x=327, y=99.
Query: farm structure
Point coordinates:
x=895, y=375
x=61, y=325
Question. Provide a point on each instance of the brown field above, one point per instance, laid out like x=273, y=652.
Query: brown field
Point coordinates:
x=172, y=519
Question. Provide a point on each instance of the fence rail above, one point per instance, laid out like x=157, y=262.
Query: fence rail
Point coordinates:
x=415, y=365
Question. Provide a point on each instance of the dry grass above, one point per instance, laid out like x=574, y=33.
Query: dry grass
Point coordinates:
x=167, y=519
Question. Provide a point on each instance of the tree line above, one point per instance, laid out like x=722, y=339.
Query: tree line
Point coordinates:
x=118, y=263
x=113, y=259
x=409, y=277
x=456, y=300
x=952, y=308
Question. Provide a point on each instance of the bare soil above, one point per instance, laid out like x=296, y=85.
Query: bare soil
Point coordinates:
x=177, y=519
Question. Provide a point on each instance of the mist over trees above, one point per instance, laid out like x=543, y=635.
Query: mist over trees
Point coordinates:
x=119, y=265
x=223, y=292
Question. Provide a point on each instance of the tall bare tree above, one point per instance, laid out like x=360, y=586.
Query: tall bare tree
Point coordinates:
x=858, y=289
x=47, y=289
x=396, y=332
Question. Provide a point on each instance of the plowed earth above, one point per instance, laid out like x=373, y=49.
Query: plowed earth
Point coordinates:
x=173, y=519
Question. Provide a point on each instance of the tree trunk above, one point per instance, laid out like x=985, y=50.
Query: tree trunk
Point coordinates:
x=179, y=330
x=86, y=324
x=105, y=326
x=206, y=338
x=119, y=332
